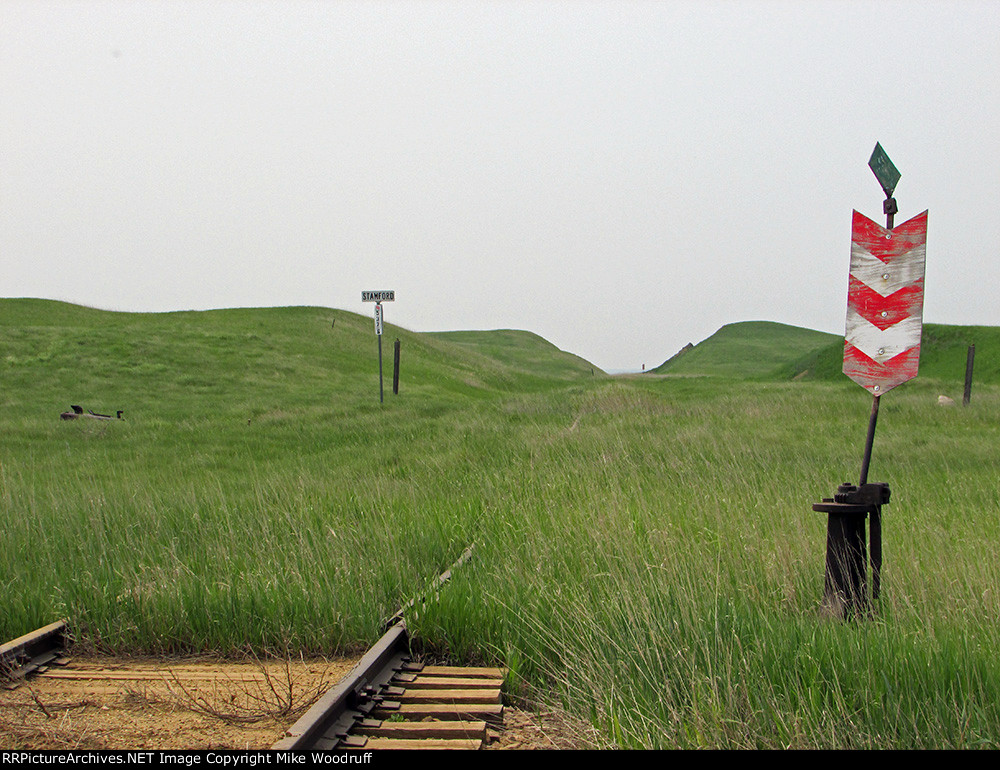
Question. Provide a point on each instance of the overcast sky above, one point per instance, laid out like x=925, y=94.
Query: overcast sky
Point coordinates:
x=620, y=177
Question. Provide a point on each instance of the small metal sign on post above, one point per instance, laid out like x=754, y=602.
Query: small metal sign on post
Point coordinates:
x=378, y=297
x=881, y=350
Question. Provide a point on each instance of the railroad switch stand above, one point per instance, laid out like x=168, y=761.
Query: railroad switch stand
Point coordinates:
x=845, y=590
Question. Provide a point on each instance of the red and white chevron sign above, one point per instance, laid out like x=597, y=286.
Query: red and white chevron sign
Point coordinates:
x=885, y=302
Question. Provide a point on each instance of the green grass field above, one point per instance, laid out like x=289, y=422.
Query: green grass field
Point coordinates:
x=646, y=555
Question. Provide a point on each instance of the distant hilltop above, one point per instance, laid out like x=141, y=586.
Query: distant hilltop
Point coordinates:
x=774, y=351
x=746, y=350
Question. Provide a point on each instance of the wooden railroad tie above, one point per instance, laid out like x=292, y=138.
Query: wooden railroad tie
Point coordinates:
x=433, y=707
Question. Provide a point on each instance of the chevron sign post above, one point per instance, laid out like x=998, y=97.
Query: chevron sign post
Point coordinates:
x=885, y=302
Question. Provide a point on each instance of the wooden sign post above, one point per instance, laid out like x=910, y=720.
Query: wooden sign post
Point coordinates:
x=395, y=369
x=378, y=297
x=970, y=359
x=881, y=350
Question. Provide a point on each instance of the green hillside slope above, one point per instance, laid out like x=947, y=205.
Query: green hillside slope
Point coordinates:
x=248, y=361
x=256, y=480
x=943, y=354
x=749, y=349
x=522, y=350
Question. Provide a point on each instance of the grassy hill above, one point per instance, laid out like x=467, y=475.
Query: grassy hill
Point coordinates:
x=246, y=426
x=250, y=361
x=943, y=354
x=750, y=349
x=522, y=350
x=765, y=350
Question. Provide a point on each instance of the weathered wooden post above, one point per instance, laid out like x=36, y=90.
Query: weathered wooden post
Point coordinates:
x=881, y=350
x=395, y=369
x=970, y=359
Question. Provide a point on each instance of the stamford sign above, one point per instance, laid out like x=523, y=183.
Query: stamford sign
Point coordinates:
x=378, y=297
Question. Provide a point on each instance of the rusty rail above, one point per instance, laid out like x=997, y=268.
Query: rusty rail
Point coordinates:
x=23, y=656
x=378, y=703
x=391, y=701
x=435, y=587
x=327, y=723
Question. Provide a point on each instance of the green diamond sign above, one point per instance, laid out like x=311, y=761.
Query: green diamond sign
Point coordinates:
x=885, y=172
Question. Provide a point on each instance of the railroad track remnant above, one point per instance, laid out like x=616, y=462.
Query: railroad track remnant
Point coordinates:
x=33, y=652
x=390, y=701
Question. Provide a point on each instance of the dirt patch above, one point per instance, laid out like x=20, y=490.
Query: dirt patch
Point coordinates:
x=179, y=704
x=541, y=729
x=206, y=704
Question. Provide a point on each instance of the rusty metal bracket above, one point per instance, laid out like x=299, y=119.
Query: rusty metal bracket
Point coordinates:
x=850, y=498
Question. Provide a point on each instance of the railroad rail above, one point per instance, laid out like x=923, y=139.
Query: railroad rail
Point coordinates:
x=390, y=701
x=33, y=652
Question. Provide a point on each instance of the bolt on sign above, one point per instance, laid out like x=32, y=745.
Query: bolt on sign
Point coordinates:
x=885, y=302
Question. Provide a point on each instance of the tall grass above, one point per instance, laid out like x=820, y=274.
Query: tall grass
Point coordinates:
x=663, y=573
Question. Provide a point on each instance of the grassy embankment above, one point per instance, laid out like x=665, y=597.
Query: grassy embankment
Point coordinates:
x=646, y=553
